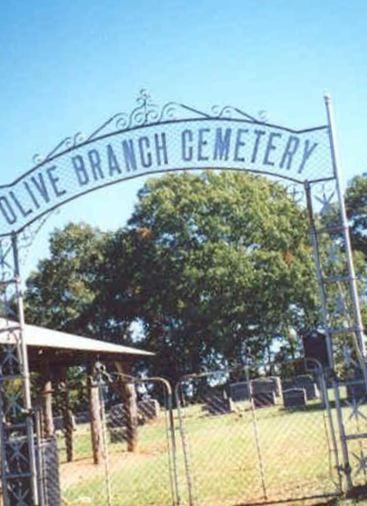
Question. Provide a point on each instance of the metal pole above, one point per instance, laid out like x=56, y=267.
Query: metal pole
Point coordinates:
x=171, y=440
x=256, y=434
x=180, y=409
x=331, y=425
x=106, y=459
x=342, y=435
x=316, y=252
x=345, y=228
x=25, y=370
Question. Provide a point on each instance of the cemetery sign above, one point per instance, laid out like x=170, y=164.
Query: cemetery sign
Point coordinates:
x=150, y=141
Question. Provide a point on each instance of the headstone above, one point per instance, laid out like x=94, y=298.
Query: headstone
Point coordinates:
x=239, y=391
x=315, y=348
x=263, y=385
x=217, y=404
x=263, y=393
x=116, y=424
x=59, y=423
x=264, y=400
x=305, y=381
x=356, y=390
x=294, y=398
x=287, y=384
x=82, y=417
x=149, y=409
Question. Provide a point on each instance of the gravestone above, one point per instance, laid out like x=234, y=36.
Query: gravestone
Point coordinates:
x=59, y=423
x=217, y=404
x=294, y=398
x=315, y=348
x=263, y=385
x=356, y=390
x=82, y=417
x=116, y=424
x=239, y=391
x=264, y=399
x=263, y=393
x=287, y=384
x=305, y=381
x=148, y=409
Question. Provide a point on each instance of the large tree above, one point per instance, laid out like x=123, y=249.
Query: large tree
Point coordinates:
x=209, y=267
x=356, y=206
x=220, y=265
x=61, y=291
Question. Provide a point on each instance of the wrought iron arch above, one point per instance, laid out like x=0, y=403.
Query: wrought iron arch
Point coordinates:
x=153, y=140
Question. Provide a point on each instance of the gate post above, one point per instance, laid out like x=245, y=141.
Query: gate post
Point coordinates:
x=336, y=276
x=358, y=325
x=19, y=481
x=326, y=322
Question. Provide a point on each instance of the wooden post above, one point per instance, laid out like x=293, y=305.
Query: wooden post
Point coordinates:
x=128, y=396
x=46, y=392
x=95, y=419
x=66, y=412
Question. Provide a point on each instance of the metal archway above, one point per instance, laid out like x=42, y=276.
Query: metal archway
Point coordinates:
x=151, y=140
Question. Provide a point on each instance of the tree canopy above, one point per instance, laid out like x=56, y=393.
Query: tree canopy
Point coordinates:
x=356, y=207
x=208, y=268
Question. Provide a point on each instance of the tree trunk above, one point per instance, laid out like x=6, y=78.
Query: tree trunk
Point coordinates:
x=128, y=396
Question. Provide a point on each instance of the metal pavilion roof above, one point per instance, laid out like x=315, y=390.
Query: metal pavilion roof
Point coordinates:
x=44, y=338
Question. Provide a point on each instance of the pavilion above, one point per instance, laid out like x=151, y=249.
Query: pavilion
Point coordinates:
x=51, y=353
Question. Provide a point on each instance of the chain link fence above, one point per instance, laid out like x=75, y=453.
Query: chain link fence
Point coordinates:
x=252, y=435
x=257, y=435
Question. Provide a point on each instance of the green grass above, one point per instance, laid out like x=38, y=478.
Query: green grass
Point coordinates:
x=233, y=460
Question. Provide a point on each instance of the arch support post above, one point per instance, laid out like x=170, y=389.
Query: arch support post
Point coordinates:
x=357, y=317
x=324, y=288
x=19, y=480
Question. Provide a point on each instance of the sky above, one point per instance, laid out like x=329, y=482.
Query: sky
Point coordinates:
x=69, y=66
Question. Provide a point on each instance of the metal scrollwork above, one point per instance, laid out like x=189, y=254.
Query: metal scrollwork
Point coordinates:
x=170, y=111
x=222, y=112
x=67, y=143
x=230, y=112
x=145, y=113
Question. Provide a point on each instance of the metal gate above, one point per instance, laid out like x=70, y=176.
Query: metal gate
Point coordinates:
x=257, y=435
x=120, y=454
x=250, y=435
